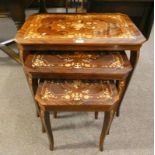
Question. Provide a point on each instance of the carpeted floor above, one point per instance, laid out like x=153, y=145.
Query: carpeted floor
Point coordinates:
x=74, y=133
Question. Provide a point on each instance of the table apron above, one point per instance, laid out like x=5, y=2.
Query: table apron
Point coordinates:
x=80, y=47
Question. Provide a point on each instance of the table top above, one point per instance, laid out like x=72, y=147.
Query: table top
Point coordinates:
x=72, y=65
x=77, y=94
x=75, y=29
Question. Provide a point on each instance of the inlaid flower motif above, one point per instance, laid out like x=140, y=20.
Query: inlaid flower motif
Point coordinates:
x=77, y=63
x=73, y=27
x=39, y=61
x=48, y=94
x=77, y=91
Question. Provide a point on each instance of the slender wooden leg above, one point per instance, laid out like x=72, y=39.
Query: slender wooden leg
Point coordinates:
x=96, y=115
x=33, y=84
x=112, y=117
x=134, y=56
x=106, y=125
x=121, y=91
x=34, y=88
x=46, y=119
x=42, y=123
x=55, y=114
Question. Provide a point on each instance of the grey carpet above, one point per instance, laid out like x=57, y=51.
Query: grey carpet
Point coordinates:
x=74, y=133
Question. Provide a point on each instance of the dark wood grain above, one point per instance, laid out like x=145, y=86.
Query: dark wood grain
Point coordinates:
x=79, y=29
x=39, y=45
x=77, y=96
x=72, y=65
x=140, y=11
x=46, y=119
x=105, y=128
x=65, y=45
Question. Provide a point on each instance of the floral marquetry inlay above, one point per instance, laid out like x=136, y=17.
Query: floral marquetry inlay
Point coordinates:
x=39, y=61
x=48, y=94
x=78, y=61
x=73, y=29
x=79, y=26
x=76, y=91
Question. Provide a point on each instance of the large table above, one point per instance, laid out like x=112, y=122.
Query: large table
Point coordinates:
x=98, y=35
x=55, y=46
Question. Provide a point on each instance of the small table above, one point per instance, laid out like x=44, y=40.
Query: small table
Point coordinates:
x=80, y=32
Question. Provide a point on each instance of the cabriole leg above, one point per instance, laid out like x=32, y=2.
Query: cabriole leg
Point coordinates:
x=121, y=91
x=134, y=56
x=46, y=120
x=105, y=129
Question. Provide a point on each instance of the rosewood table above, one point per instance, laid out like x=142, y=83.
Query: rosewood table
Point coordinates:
x=55, y=46
x=110, y=32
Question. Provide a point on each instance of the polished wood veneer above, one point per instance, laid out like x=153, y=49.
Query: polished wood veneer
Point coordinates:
x=87, y=29
x=72, y=65
x=74, y=36
x=77, y=95
x=68, y=32
x=140, y=11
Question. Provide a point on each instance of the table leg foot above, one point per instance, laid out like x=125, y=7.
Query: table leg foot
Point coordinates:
x=106, y=125
x=46, y=120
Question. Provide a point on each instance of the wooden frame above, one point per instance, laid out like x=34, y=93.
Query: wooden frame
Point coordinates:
x=121, y=35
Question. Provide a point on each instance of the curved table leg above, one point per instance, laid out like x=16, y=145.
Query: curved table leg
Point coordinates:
x=42, y=123
x=121, y=91
x=134, y=56
x=106, y=125
x=46, y=119
x=33, y=84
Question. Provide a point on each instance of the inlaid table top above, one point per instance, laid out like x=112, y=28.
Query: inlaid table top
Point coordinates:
x=93, y=29
x=78, y=64
x=77, y=94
